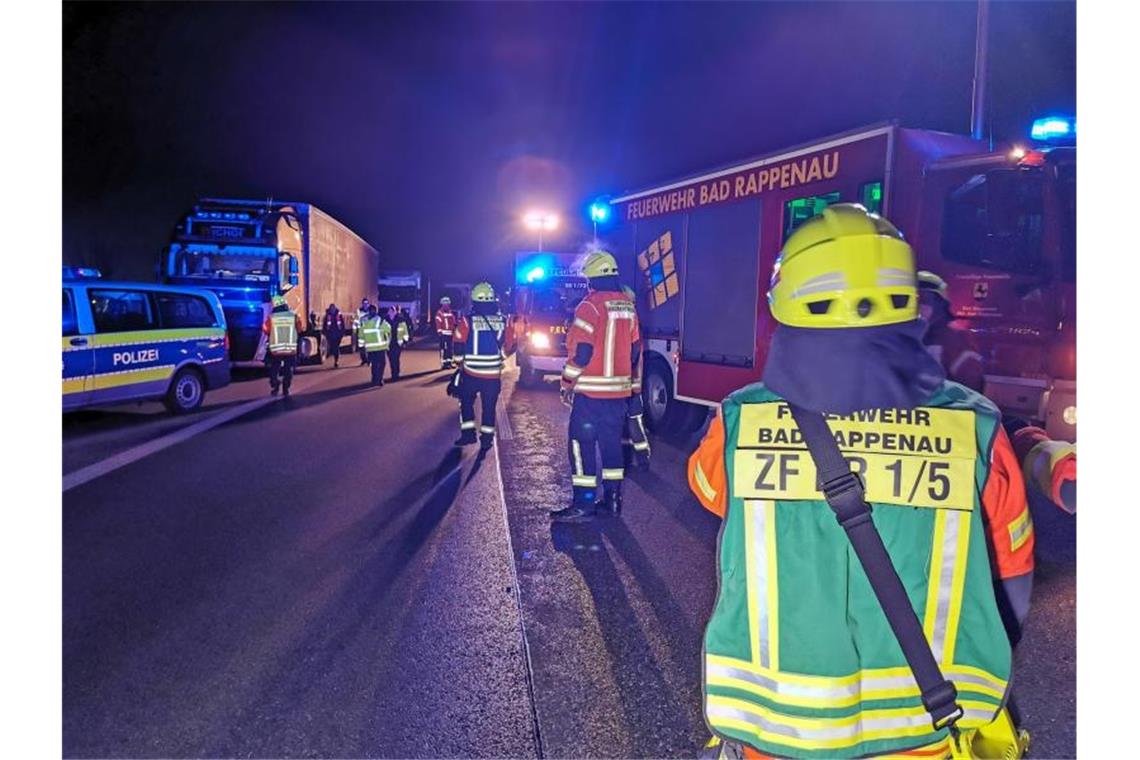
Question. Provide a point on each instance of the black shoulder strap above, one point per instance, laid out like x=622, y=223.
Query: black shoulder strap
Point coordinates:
x=844, y=492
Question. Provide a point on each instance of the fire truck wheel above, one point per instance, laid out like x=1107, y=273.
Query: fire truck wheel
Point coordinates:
x=663, y=412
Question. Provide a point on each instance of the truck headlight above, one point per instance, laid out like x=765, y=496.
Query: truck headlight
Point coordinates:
x=1069, y=415
x=539, y=340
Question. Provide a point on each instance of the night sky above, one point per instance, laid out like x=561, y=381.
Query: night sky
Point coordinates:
x=429, y=128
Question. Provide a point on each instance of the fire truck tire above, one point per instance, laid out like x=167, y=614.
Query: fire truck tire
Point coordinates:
x=663, y=412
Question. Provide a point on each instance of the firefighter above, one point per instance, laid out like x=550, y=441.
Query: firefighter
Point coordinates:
x=799, y=657
x=1048, y=465
x=603, y=347
x=400, y=337
x=444, y=328
x=948, y=341
x=333, y=328
x=482, y=345
x=376, y=335
x=635, y=441
x=281, y=327
x=361, y=315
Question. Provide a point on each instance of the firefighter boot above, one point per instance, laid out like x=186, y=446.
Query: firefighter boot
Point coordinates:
x=486, y=441
x=466, y=438
x=612, y=504
x=581, y=509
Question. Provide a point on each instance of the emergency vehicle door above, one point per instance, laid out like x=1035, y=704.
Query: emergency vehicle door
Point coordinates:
x=78, y=356
x=128, y=359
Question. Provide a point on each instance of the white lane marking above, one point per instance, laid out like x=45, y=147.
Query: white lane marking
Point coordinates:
x=502, y=419
x=123, y=458
x=517, y=593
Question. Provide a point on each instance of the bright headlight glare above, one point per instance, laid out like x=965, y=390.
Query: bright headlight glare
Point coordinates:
x=540, y=340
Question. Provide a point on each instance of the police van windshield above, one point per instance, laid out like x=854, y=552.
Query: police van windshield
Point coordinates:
x=996, y=220
x=256, y=265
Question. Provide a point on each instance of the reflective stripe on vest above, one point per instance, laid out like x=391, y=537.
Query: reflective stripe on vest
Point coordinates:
x=799, y=658
x=375, y=335
x=283, y=333
x=479, y=361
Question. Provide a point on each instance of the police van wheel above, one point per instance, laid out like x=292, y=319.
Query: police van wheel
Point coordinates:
x=186, y=392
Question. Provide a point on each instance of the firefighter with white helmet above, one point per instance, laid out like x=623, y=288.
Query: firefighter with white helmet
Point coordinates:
x=481, y=348
x=835, y=634
x=604, y=350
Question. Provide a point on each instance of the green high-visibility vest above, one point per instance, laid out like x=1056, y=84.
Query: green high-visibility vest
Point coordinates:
x=376, y=334
x=799, y=660
x=283, y=333
x=401, y=332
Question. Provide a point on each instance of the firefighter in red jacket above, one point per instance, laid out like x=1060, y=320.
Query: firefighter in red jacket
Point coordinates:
x=603, y=345
x=948, y=341
x=445, y=329
x=483, y=343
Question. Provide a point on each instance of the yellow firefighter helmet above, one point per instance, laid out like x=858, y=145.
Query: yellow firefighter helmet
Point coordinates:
x=845, y=267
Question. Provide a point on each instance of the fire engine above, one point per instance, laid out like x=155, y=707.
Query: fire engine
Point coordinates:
x=999, y=225
x=548, y=287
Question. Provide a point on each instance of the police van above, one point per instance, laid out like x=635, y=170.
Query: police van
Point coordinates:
x=129, y=341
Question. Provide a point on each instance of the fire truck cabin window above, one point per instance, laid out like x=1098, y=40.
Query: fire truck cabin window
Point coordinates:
x=995, y=221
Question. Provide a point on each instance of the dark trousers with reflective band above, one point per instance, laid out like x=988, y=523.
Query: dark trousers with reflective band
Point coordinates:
x=377, y=360
x=281, y=370
x=445, y=354
x=394, y=354
x=596, y=423
x=487, y=389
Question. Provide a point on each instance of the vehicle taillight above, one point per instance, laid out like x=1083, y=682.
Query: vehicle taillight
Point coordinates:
x=226, y=342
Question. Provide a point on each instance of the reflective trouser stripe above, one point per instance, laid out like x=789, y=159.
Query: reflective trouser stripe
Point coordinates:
x=613, y=474
x=832, y=733
x=576, y=448
x=585, y=481
x=947, y=579
x=487, y=429
x=642, y=442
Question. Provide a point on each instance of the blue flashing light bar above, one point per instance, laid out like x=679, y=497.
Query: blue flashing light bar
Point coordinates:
x=599, y=211
x=1054, y=128
x=536, y=273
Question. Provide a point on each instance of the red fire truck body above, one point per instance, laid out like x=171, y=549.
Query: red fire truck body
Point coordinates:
x=998, y=226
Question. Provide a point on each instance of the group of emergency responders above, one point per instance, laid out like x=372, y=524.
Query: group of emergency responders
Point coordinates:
x=869, y=587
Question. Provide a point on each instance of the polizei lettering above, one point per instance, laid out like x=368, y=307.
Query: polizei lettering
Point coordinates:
x=141, y=356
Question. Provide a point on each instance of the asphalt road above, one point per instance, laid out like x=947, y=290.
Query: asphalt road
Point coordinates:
x=328, y=578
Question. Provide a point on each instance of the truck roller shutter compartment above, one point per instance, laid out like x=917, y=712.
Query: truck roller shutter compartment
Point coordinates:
x=721, y=285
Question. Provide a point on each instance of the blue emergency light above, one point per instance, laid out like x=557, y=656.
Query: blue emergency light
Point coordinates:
x=599, y=212
x=537, y=273
x=1052, y=128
